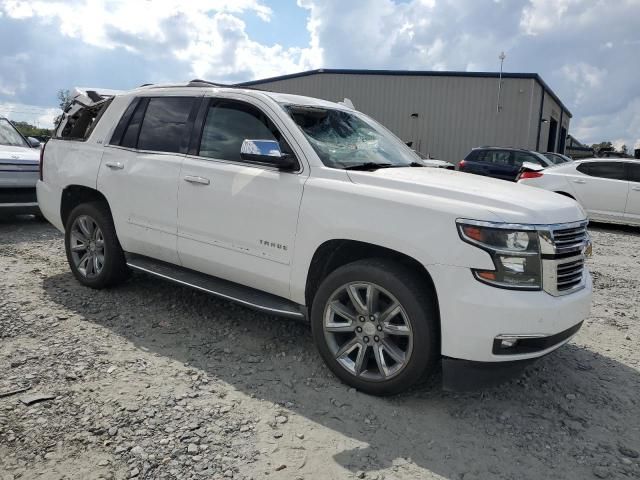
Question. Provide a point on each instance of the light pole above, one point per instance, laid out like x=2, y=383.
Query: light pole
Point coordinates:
x=498, y=106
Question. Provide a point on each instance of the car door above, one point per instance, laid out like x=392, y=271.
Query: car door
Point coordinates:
x=236, y=219
x=601, y=188
x=632, y=211
x=140, y=170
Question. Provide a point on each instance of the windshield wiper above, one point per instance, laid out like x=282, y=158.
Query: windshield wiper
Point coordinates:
x=416, y=164
x=369, y=166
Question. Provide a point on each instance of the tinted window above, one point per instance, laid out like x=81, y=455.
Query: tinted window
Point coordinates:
x=473, y=156
x=634, y=172
x=164, y=128
x=124, y=121
x=612, y=170
x=228, y=124
x=520, y=157
x=130, y=137
x=497, y=157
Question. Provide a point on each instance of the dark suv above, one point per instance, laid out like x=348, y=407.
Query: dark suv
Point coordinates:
x=500, y=162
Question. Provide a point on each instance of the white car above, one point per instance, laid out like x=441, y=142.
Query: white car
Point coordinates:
x=309, y=209
x=19, y=159
x=608, y=190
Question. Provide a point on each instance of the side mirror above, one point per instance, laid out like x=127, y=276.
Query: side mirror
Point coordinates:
x=267, y=152
x=34, y=142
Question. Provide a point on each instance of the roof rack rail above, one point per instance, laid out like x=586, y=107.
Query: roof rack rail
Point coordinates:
x=196, y=82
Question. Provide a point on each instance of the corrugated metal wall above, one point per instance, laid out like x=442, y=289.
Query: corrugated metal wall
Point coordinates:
x=454, y=114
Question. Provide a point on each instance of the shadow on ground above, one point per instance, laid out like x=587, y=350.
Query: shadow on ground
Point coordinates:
x=565, y=416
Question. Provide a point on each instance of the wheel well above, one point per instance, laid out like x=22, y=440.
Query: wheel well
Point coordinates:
x=566, y=195
x=336, y=253
x=74, y=195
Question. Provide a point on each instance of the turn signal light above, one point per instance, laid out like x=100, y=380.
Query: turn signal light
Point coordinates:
x=487, y=275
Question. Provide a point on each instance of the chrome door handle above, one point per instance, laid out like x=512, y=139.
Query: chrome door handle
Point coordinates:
x=115, y=165
x=195, y=179
x=579, y=181
x=637, y=189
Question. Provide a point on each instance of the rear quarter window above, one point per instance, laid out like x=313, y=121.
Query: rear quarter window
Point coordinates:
x=79, y=123
x=165, y=126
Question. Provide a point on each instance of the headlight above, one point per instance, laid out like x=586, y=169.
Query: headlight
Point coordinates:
x=515, y=251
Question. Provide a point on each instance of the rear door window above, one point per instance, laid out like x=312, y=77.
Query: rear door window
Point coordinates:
x=609, y=169
x=165, y=124
x=497, y=157
x=633, y=172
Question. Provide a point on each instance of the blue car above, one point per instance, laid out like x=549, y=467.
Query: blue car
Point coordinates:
x=500, y=162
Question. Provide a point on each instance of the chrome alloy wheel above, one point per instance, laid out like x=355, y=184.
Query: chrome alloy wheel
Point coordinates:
x=368, y=331
x=87, y=246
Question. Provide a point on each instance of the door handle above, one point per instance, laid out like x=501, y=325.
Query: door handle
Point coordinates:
x=195, y=179
x=579, y=181
x=115, y=165
x=637, y=189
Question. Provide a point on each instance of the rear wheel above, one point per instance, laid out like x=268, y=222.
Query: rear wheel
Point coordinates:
x=375, y=325
x=93, y=251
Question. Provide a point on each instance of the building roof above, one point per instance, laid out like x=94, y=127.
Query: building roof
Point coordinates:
x=413, y=73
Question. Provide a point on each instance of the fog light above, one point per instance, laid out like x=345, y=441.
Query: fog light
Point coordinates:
x=508, y=343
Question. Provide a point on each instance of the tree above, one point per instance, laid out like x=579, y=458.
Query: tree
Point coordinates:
x=64, y=100
x=29, y=130
x=602, y=146
x=624, y=149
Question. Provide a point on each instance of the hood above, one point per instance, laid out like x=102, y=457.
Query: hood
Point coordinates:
x=19, y=155
x=511, y=202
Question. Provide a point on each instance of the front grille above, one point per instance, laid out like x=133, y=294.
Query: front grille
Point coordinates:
x=570, y=239
x=569, y=274
x=563, y=258
x=18, y=195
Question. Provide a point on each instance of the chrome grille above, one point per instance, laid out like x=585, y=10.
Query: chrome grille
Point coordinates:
x=569, y=274
x=570, y=239
x=563, y=257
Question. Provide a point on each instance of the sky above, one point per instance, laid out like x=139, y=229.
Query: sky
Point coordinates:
x=588, y=51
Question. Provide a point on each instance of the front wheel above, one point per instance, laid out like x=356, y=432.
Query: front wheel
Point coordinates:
x=375, y=324
x=93, y=250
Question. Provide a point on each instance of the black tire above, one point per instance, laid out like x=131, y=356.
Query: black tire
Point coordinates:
x=418, y=299
x=114, y=269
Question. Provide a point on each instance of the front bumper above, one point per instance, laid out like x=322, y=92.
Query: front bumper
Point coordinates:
x=464, y=375
x=473, y=315
x=18, y=200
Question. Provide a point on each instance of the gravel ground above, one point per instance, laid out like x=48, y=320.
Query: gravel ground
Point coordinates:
x=152, y=380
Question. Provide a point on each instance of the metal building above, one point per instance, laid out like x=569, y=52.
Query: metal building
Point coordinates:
x=444, y=114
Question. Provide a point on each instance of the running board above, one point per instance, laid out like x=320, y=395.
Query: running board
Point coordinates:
x=247, y=296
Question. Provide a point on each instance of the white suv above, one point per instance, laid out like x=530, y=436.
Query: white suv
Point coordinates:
x=309, y=209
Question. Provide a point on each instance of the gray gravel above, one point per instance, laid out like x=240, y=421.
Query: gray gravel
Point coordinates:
x=151, y=380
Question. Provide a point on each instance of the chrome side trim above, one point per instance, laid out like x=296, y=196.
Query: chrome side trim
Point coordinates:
x=13, y=205
x=286, y=313
x=519, y=336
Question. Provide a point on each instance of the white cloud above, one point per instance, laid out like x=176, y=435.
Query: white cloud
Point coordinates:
x=39, y=116
x=584, y=49
x=206, y=33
